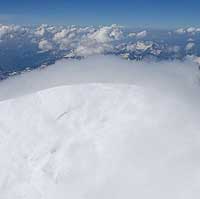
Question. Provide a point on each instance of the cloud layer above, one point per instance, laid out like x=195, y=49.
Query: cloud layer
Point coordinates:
x=32, y=46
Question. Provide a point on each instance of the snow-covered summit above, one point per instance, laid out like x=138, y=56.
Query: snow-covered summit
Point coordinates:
x=98, y=141
x=131, y=134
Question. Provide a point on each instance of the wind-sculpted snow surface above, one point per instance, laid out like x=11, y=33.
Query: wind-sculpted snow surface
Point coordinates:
x=29, y=47
x=134, y=136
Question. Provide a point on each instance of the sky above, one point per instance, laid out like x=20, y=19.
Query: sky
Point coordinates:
x=133, y=13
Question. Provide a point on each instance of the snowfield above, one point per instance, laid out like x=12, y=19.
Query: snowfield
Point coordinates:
x=137, y=137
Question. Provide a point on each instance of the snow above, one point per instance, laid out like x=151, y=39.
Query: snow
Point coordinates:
x=132, y=34
x=191, y=29
x=141, y=46
x=116, y=129
x=142, y=34
x=189, y=46
x=197, y=60
x=180, y=31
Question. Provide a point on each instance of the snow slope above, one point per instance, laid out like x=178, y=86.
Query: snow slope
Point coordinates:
x=103, y=140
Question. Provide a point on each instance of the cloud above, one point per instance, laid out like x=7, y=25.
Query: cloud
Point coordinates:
x=40, y=31
x=104, y=69
x=34, y=46
x=189, y=46
x=44, y=45
x=189, y=30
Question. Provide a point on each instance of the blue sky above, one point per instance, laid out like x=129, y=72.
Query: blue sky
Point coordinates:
x=135, y=13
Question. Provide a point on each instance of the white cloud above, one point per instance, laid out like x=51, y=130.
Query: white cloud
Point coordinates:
x=101, y=35
x=74, y=41
x=44, y=45
x=40, y=31
x=189, y=46
x=60, y=35
x=190, y=30
x=100, y=69
x=8, y=29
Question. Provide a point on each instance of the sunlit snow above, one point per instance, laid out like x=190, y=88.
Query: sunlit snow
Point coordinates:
x=101, y=128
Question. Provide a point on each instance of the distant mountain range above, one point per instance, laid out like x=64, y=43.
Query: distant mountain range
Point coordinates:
x=28, y=47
